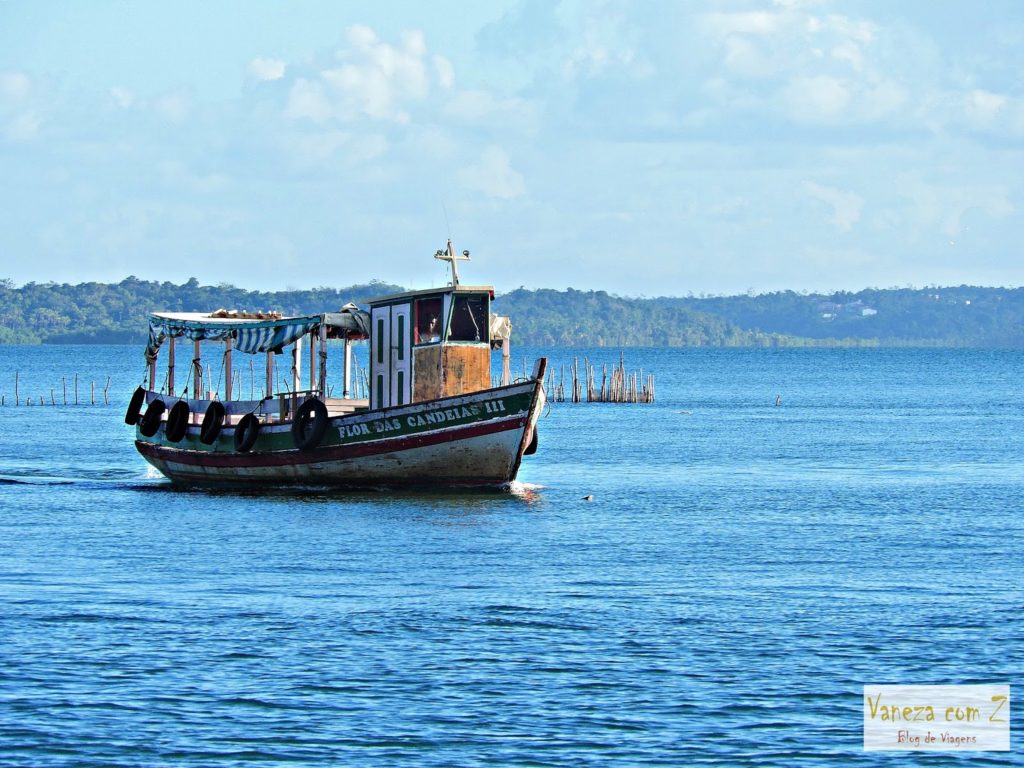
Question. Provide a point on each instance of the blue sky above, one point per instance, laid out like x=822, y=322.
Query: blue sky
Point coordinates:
x=644, y=148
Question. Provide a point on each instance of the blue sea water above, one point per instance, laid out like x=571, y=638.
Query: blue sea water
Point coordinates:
x=741, y=571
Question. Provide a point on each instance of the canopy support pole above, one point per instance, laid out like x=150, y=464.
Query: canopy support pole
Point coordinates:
x=347, y=369
x=312, y=361
x=170, y=365
x=296, y=366
x=197, y=379
x=322, y=385
x=270, y=375
x=506, y=362
x=228, y=372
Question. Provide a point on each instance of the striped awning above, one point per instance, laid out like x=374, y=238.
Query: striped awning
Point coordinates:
x=249, y=335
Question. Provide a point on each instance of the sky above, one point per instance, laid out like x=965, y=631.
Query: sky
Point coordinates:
x=656, y=148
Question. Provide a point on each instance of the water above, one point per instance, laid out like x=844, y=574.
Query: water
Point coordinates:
x=741, y=572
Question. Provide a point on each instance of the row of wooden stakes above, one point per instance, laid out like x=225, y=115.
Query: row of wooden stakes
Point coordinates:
x=19, y=400
x=617, y=386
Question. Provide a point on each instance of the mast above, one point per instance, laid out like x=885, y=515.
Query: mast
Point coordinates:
x=452, y=258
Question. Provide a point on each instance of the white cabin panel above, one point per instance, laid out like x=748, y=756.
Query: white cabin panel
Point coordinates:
x=380, y=357
x=401, y=354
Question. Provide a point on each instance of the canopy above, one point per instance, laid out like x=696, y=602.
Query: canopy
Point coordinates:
x=251, y=333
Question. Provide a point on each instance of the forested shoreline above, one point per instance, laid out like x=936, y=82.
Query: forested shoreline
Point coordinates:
x=963, y=316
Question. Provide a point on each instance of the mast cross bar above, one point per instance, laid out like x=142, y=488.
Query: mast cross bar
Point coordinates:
x=452, y=258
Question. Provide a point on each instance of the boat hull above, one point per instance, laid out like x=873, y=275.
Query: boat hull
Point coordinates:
x=474, y=440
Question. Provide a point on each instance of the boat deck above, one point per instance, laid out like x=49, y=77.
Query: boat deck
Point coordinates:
x=336, y=406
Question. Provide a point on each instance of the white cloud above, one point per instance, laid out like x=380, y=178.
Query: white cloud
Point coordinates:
x=315, y=149
x=940, y=207
x=20, y=114
x=742, y=22
x=306, y=100
x=176, y=106
x=851, y=53
x=858, y=31
x=881, y=99
x=745, y=58
x=606, y=42
x=122, y=97
x=372, y=79
x=819, y=98
x=493, y=175
x=984, y=106
x=266, y=70
x=482, y=107
x=22, y=127
x=846, y=206
x=445, y=72
x=793, y=5
x=14, y=85
x=826, y=68
x=378, y=79
x=976, y=110
x=176, y=174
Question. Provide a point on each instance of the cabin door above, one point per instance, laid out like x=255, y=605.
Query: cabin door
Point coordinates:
x=380, y=357
x=401, y=352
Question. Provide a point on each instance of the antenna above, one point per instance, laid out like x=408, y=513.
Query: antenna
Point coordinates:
x=447, y=223
x=451, y=257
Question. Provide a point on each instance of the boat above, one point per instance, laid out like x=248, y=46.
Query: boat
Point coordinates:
x=430, y=415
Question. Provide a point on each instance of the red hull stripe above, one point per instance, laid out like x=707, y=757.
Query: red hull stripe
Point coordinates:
x=316, y=456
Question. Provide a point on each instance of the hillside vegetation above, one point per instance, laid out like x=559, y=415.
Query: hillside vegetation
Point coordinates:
x=961, y=316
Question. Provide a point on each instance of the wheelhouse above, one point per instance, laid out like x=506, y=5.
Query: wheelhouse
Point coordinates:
x=430, y=344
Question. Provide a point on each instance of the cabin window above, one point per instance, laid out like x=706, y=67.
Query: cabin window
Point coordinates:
x=401, y=337
x=428, y=320
x=469, y=319
x=380, y=391
x=380, y=341
x=401, y=388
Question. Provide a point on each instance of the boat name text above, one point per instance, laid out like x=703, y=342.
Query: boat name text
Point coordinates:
x=440, y=416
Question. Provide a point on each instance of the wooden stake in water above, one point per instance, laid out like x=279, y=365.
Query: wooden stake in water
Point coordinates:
x=76, y=389
x=17, y=397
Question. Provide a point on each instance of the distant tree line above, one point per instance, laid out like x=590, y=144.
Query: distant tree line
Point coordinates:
x=961, y=316
x=115, y=313
x=953, y=316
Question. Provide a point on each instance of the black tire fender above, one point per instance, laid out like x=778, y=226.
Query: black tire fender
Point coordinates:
x=213, y=422
x=177, y=422
x=131, y=416
x=246, y=432
x=310, y=424
x=151, y=421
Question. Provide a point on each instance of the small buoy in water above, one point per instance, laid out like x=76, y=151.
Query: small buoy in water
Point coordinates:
x=588, y=497
x=778, y=400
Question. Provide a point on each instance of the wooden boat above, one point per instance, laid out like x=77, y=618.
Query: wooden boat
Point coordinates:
x=432, y=416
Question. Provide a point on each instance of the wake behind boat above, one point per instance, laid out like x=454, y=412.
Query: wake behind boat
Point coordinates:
x=432, y=417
